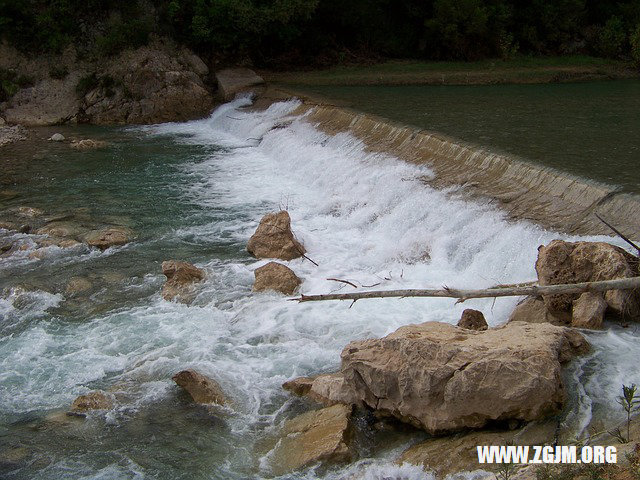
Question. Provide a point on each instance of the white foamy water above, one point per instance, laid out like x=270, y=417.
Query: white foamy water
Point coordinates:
x=363, y=217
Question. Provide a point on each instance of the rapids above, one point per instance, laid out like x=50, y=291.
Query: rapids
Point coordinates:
x=195, y=191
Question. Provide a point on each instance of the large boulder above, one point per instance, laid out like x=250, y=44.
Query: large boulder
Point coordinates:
x=275, y=276
x=182, y=278
x=566, y=262
x=316, y=436
x=201, y=388
x=274, y=238
x=443, y=378
x=232, y=81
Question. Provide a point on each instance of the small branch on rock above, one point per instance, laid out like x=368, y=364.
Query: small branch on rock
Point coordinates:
x=462, y=295
x=617, y=232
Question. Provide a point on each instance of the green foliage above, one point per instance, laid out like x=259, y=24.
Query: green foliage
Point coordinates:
x=612, y=38
x=283, y=32
x=634, y=40
x=10, y=83
x=122, y=34
x=91, y=82
x=59, y=72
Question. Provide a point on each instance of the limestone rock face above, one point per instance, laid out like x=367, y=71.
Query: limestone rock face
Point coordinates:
x=48, y=102
x=160, y=83
x=316, y=436
x=443, y=378
x=201, y=388
x=109, y=237
x=588, y=311
x=533, y=310
x=275, y=276
x=181, y=280
x=92, y=401
x=274, y=238
x=473, y=320
x=156, y=83
x=232, y=81
x=566, y=262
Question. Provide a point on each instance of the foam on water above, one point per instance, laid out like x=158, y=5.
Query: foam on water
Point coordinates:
x=364, y=217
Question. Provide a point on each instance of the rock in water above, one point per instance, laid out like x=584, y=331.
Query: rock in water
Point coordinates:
x=274, y=238
x=201, y=389
x=565, y=262
x=317, y=436
x=443, y=378
x=533, y=310
x=56, y=137
x=109, y=237
x=275, y=276
x=88, y=144
x=92, y=401
x=232, y=81
x=181, y=280
x=473, y=320
x=588, y=311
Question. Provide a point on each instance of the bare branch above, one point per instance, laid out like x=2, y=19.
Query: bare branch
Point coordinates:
x=343, y=281
x=462, y=295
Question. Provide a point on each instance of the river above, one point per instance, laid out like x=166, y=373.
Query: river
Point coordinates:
x=195, y=191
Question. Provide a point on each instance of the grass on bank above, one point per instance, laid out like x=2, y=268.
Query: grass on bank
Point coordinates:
x=516, y=70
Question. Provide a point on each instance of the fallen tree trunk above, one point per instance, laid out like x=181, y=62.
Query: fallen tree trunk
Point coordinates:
x=462, y=295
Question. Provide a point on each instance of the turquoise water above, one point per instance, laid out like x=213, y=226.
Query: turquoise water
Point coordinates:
x=196, y=192
x=588, y=129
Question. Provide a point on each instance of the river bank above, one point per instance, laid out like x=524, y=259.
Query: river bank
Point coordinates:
x=522, y=70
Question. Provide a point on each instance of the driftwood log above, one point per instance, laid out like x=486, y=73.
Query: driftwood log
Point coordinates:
x=462, y=295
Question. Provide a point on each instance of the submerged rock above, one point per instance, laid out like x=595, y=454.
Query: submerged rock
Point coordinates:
x=181, y=280
x=88, y=144
x=201, y=388
x=317, y=436
x=109, y=237
x=96, y=400
x=232, y=81
x=443, y=378
x=275, y=276
x=473, y=320
x=458, y=453
x=274, y=238
x=565, y=262
x=78, y=285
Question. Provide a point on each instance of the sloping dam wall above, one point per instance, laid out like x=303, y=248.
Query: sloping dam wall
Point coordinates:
x=553, y=199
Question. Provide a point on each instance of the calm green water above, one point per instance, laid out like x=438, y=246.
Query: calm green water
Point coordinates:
x=588, y=129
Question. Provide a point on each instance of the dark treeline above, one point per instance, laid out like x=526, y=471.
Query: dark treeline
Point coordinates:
x=319, y=32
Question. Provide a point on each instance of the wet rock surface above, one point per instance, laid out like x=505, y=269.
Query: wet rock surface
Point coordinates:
x=182, y=278
x=277, y=277
x=565, y=262
x=200, y=388
x=274, y=238
x=92, y=401
x=443, y=378
x=316, y=436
